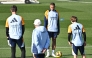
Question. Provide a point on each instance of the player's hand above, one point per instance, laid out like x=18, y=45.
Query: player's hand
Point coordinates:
x=44, y=50
x=9, y=43
x=84, y=43
x=34, y=56
x=70, y=43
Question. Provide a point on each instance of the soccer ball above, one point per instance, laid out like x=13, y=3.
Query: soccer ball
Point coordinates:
x=58, y=54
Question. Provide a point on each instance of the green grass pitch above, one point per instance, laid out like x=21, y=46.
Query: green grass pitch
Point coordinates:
x=32, y=11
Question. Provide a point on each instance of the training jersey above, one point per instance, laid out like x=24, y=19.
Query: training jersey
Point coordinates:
x=76, y=29
x=52, y=17
x=14, y=23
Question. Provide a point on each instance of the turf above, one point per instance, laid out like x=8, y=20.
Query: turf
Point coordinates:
x=32, y=11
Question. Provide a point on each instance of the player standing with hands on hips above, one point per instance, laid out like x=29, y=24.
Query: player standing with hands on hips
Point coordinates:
x=14, y=31
x=51, y=22
x=76, y=30
x=40, y=40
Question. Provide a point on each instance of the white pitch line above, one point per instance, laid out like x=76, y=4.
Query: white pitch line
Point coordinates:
x=86, y=2
x=74, y=1
x=56, y=47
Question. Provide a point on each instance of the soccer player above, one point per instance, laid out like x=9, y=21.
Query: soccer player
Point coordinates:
x=51, y=22
x=40, y=40
x=76, y=30
x=14, y=31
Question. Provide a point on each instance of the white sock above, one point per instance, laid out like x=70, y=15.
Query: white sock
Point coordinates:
x=53, y=51
x=48, y=51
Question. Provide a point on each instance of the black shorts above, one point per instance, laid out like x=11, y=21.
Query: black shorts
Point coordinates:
x=52, y=34
x=39, y=55
x=19, y=42
x=76, y=48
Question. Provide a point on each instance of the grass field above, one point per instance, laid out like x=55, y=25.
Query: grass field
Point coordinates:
x=32, y=11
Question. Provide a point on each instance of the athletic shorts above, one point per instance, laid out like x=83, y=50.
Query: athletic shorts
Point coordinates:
x=19, y=42
x=76, y=48
x=39, y=55
x=52, y=34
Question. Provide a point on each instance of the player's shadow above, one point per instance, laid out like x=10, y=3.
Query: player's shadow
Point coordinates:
x=89, y=54
x=64, y=56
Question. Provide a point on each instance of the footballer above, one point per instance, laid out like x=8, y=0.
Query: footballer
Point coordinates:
x=15, y=28
x=51, y=22
x=77, y=31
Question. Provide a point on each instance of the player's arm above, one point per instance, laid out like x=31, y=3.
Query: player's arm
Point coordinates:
x=45, y=22
x=23, y=26
x=58, y=24
x=7, y=29
x=7, y=32
x=23, y=30
x=84, y=35
x=69, y=35
x=46, y=19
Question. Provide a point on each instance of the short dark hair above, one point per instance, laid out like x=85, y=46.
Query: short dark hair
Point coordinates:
x=75, y=19
x=52, y=4
x=14, y=8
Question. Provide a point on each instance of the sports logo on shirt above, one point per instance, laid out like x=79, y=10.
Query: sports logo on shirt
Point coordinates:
x=13, y=20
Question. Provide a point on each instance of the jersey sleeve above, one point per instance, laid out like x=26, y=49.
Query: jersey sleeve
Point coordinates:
x=23, y=23
x=46, y=14
x=7, y=24
x=83, y=30
x=69, y=29
x=46, y=18
x=58, y=24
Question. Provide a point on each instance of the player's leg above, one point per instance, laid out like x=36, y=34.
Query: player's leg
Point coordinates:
x=81, y=49
x=13, y=52
x=21, y=44
x=54, y=43
x=53, y=46
x=48, y=50
x=83, y=56
x=13, y=47
x=23, y=52
x=74, y=51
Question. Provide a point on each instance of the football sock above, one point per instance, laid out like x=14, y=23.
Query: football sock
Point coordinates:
x=48, y=52
x=53, y=51
x=23, y=52
x=13, y=51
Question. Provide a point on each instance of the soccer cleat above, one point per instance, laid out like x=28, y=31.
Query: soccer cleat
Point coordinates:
x=53, y=55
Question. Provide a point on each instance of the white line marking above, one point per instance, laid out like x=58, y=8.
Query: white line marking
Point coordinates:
x=86, y=2
x=74, y=1
x=56, y=47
